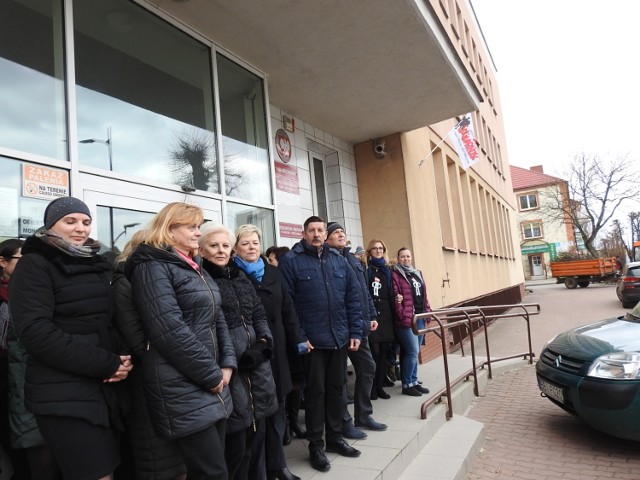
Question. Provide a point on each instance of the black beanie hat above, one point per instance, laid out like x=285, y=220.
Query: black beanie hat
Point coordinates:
x=61, y=207
x=333, y=226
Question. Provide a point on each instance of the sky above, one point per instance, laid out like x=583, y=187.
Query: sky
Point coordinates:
x=567, y=73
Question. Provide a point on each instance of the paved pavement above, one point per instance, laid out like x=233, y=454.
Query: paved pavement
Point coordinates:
x=526, y=436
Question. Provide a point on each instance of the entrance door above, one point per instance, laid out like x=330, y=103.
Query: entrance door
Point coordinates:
x=536, y=265
x=119, y=209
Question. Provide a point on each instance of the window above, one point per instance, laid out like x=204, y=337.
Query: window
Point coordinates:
x=244, y=133
x=528, y=201
x=238, y=214
x=32, y=97
x=144, y=94
x=319, y=187
x=532, y=230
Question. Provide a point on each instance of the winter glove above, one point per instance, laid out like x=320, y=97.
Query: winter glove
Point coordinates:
x=254, y=356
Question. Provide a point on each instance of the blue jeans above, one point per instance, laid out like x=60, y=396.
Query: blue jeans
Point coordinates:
x=410, y=346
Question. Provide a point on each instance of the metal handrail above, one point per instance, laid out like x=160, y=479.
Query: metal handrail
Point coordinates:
x=467, y=317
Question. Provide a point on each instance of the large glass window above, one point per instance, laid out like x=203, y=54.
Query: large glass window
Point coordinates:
x=144, y=96
x=244, y=129
x=261, y=217
x=32, y=99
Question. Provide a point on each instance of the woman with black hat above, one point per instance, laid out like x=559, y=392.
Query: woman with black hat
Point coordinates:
x=61, y=308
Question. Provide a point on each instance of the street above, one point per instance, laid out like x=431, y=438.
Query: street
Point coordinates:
x=527, y=437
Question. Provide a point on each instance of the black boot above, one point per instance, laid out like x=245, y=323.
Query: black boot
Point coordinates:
x=293, y=410
x=283, y=474
x=286, y=438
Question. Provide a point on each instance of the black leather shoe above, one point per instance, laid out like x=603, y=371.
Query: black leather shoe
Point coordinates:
x=319, y=460
x=297, y=430
x=351, y=432
x=388, y=382
x=283, y=474
x=421, y=389
x=382, y=394
x=343, y=448
x=411, y=391
x=371, y=424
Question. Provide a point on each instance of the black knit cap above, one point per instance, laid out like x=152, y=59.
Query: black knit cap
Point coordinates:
x=61, y=207
x=333, y=226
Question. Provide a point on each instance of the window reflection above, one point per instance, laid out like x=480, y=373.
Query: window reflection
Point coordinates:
x=115, y=226
x=238, y=214
x=144, y=96
x=31, y=85
x=244, y=130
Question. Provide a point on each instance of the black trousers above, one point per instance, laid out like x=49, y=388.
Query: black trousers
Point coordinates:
x=268, y=442
x=364, y=368
x=324, y=373
x=238, y=451
x=379, y=354
x=202, y=453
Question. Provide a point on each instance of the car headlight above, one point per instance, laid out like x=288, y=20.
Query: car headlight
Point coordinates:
x=616, y=366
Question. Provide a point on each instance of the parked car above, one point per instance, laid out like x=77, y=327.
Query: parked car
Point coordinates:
x=628, y=285
x=593, y=372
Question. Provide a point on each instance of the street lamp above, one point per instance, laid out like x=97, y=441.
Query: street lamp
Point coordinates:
x=124, y=232
x=108, y=142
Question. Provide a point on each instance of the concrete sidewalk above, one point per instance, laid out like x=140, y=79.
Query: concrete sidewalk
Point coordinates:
x=412, y=448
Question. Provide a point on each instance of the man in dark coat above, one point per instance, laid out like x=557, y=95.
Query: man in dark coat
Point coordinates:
x=325, y=294
x=361, y=359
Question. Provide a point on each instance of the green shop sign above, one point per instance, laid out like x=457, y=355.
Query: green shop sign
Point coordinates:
x=535, y=249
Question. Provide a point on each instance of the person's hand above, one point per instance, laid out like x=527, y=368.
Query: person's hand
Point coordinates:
x=374, y=325
x=226, y=375
x=354, y=344
x=123, y=370
x=218, y=389
x=399, y=298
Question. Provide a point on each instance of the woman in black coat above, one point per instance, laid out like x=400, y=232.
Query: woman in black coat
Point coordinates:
x=381, y=289
x=61, y=307
x=189, y=357
x=154, y=458
x=252, y=387
x=283, y=323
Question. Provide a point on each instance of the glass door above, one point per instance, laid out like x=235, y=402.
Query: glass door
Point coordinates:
x=120, y=209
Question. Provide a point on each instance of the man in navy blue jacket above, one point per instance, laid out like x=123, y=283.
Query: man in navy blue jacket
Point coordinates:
x=361, y=359
x=324, y=289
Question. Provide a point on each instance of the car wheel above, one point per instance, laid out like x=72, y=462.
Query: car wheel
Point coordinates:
x=570, y=282
x=583, y=284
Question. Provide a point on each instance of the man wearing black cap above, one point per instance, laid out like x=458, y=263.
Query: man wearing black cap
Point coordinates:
x=325, y=294
x=361, y=359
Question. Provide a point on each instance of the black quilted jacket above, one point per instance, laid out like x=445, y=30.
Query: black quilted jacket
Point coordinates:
x=61, y=307
x=188, y=342
x=253, y=391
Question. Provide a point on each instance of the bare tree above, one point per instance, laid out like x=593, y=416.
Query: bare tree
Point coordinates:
x=596, y=187
x=193, y=161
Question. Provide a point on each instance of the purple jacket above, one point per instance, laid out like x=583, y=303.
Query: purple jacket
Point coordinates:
x=404, y=310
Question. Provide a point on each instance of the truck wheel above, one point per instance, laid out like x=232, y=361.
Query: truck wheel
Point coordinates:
x=583, y=283
x=570, y=282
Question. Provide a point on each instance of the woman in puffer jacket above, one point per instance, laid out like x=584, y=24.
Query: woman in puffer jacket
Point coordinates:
x=153, y=458
x=189, y=357
x=411, y=298
x=252, y=387
x=61, y=308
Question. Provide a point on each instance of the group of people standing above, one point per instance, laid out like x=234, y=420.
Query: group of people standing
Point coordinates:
x=196, y=350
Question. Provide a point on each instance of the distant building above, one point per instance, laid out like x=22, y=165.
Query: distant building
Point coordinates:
x=542, y=237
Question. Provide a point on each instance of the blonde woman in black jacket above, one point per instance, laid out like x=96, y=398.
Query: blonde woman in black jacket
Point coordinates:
x=61, y=308
x=189, y=357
